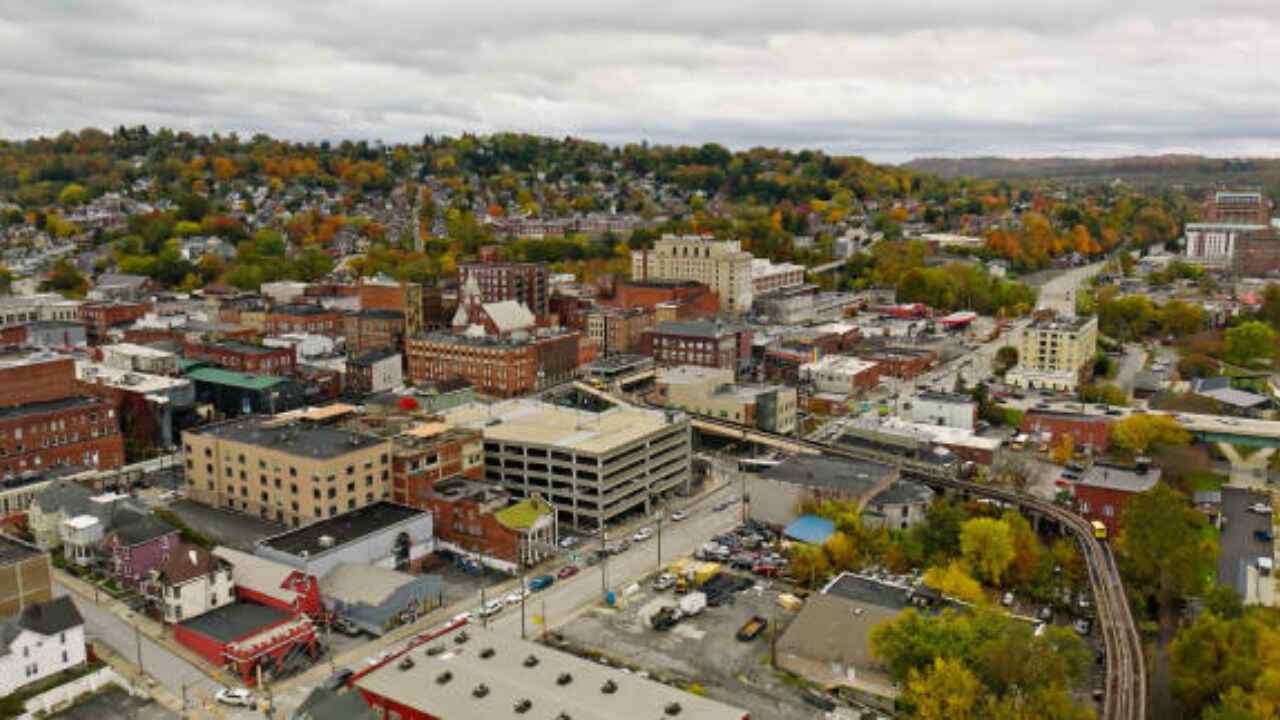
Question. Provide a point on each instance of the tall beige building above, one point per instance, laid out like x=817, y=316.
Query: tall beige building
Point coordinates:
x=288, y=471
x=1056, y=353
x=721, y=265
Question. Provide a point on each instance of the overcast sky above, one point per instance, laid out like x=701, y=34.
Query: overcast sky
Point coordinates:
x=890, y=80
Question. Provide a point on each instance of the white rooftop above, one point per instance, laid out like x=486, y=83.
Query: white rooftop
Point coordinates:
x=126, y=379
x=838, y=363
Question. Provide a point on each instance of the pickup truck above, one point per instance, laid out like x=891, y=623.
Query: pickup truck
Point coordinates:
x=752, y=628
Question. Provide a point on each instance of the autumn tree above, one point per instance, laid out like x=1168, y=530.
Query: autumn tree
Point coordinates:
x=987, y=545
x=1063, y=448
x=946, y=691
x=1138, y=433
x=954, y=580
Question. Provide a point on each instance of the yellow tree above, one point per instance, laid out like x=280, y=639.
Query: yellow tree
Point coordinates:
x=946, y=691
x=1137, y=434
x=841, y=551
x=987, y=545
x=954, y=581
x=1063, y=448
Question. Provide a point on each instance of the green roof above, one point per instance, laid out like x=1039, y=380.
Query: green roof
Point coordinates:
x=524, y=514
x=185, y=364
x=248, y=381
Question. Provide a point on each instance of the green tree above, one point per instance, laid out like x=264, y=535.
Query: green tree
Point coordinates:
x=66, y=279
x=1006, y=358
x=1179, y=319
x=1137, y=434
x=1166, y=550
x=1250, y=341
x=987, y=545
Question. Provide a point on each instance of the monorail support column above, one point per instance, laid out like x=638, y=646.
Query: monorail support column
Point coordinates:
x=1247, y=471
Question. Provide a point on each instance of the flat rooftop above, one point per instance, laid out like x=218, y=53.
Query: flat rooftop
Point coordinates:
x=13, y=550
x=49, y=406
x=138, y=350
x=292, y=438
x=237, y=620
x=1061, y=323
x=532, y=422
x=556, y=684
x=345, y=528
x=127, y=379
x=1117, y=478
x=832, y=473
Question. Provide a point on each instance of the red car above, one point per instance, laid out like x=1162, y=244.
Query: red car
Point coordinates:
x=765, y=569
x=567, y=571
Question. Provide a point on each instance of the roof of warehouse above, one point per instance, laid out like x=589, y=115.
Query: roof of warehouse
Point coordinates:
x=237, y=620
x=247, y=381
x=343, y=529
x=553, y=683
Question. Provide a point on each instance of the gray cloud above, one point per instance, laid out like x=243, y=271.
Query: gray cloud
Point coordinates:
x=888, y=80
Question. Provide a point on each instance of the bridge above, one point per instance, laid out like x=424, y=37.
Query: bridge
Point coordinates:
x=1125, y=694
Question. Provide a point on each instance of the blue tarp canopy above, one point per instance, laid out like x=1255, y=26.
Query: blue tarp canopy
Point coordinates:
x=810, y=529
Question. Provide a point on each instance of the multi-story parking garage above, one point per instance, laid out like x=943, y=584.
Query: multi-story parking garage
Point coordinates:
x=593, y=466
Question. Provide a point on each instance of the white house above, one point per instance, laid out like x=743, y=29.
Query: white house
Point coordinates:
x=192, y=582
x=44, y=640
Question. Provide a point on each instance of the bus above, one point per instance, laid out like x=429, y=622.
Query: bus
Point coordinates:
x=1099, y=530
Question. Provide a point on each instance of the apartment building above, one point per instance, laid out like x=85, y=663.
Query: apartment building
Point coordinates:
x=712, y=392
x=721, y=265
x=288, y=471
x=1056, y=353
x=525, y=282
x=593, y=467
x=501, y=367
x=616, y=331
x=23, y=309
x=699, y=342
x=1247, y=207
x=1229, y=218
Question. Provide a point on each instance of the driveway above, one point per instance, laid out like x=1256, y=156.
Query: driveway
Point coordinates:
x=1237, y=564
x=1135, y=357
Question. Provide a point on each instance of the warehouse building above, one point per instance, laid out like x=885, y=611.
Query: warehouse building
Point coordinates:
x=383, y=534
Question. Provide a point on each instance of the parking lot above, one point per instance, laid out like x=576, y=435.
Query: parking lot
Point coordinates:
x=704, y=647
x=115, y=704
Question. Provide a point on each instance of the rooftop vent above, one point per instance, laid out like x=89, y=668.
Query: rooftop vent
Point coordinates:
x=480, y=690
x=486, y=653
x=564, y=679
x=435, y=650
x=444, y=677
x=531, y=661
x=406, y=663
x=673, y=708
x=523, y=706
x=326, y=541
x=609, y=687
x=563, y=716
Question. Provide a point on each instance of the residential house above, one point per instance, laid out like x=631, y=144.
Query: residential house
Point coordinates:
x=191, y=582
x=138, y=545
x=45, y=639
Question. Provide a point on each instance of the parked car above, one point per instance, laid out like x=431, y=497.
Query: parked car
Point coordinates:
x=542, y=582
x=567, y=571
x=1083, y=626
x=679, y=515
x=569, y=541
x=346, y=627
x=1007, y=600
x=491, y=608
x=818, y=699
x=665, y=581
x=235, y=696
x=1046, y=614
x=752, y=628
x=462, y=617
x=515, y=596
x=764, y=569
x=1263, y=535
x=642, y=534
x=1260, y=508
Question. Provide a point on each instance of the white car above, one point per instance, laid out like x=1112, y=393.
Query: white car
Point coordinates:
x=491, y=608
x=515, y=596
x=679, y=515
x=568, y=541
x=235, y=696
x=1261, y=508
x=642, y=534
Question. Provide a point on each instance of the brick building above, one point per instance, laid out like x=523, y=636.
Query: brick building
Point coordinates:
x=427, y=454
x=26, y=577
x=1257, y=252
x=700, y=342
x=1103, y=492
x=304, y=319
x=374, y=329
x=687, y=299
x=45, y=424
x=503, y=367
x=243, y=357
x=524, y=282
x=1238, y=208
x=410, y=300
x=902, y=363
x=617, y=331
x=1091, y=433
x=100, y=317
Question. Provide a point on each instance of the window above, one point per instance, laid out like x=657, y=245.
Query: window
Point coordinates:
x=64, y=656
x=62, y=638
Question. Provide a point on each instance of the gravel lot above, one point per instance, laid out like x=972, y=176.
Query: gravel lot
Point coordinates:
x=701, y=649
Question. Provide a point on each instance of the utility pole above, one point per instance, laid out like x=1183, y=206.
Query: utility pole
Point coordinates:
x=523, y=593
x=659, y=539
x=137, y=642
x=604, y=564
x=484, y=606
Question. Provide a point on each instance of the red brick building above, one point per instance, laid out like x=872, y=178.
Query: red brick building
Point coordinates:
x=703, y=343
x=99, y=317
x=1104, y=491
x=378, y=329
x=902, y=363
x=502, y=367
x=526, y=282
x=44, y=424
x=1257, y=252
x=426, y=455
x=243, y=357
x=1241, y=208
x=243, y=636
x=1090, y=433
x=688, y=300
x=304, y=319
